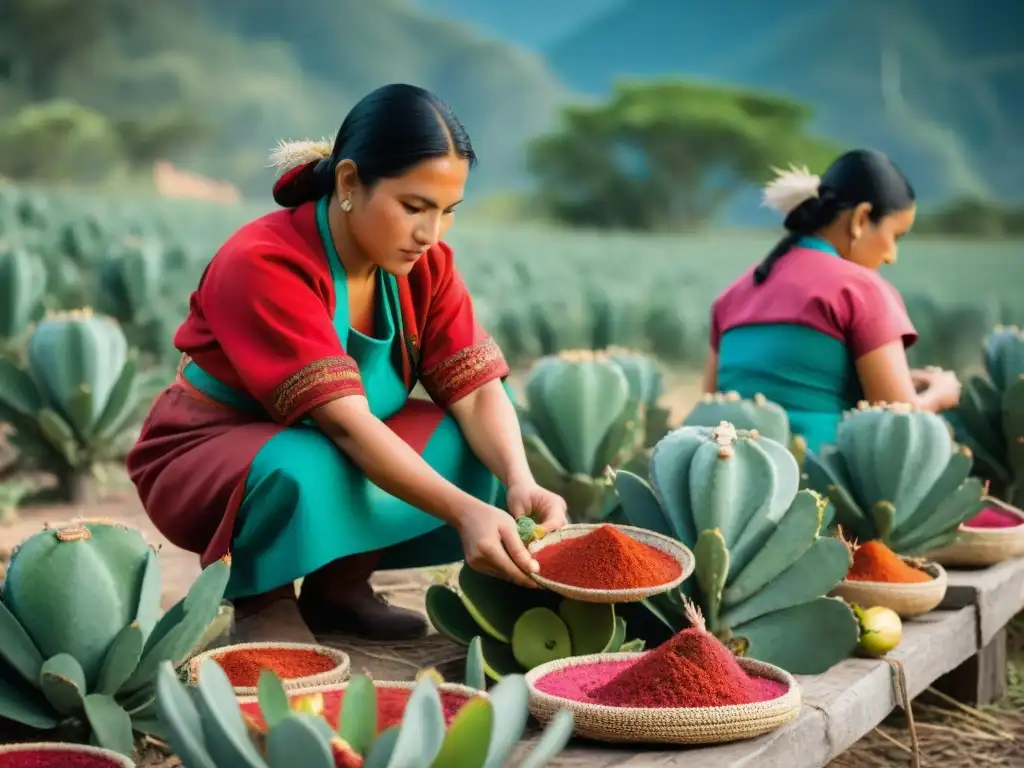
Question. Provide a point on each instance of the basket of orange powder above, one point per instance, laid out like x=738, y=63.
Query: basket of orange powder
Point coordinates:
x=880, y=577
x=689, y=690
x=298, y=665
x=605, y=563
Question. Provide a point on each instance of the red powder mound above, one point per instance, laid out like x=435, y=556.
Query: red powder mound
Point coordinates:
x=693, y=669
x=53, y=758
x=243, y=667
x=876, y=562
x=606, y=558
x=391, y=704
x=993, y=517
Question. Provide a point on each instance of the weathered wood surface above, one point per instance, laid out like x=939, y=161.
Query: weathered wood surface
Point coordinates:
x=997, y=592
x=839, y=707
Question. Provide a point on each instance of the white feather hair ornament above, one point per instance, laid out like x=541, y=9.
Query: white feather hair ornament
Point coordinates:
x=790, y=188
x=291, y=154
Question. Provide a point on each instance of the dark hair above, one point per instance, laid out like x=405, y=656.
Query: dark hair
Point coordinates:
x=859, y=176
x=387, y=132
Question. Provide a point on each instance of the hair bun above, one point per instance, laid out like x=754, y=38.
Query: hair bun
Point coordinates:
x=790, y=189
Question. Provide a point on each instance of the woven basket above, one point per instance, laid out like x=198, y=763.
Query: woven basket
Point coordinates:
x=337, y=675
x=667, y=725
x=984, y=546
x=677, y=550
x=454, y=688
x=71, y=749
x=906, y=599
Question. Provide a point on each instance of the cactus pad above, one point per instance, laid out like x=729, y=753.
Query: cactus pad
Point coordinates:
x=540, y=636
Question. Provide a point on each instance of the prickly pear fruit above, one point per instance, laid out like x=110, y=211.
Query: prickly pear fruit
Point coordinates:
x=528, y=530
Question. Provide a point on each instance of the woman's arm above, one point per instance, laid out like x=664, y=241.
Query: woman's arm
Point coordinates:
x=710, y=383
x=885, y=376
x=491, y=427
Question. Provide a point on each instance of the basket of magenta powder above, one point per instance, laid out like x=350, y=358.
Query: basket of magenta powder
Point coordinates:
x=298, y=665
x=392, y=698
x=604, y=563
x=689, y=690
x=57, y=755
x=992, y=536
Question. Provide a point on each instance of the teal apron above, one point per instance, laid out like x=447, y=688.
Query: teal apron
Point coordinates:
x=306, y=504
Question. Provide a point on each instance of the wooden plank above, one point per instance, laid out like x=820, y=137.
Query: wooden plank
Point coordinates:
x=840, y=707
x=982, y=678
x=998, y=593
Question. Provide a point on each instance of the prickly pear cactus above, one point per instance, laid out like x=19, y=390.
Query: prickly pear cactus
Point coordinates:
x=581, y=416
x=763, y=569
x=78, y=395
x=991, y=415
x=894, y=474
x=82, y=635
x=519, y=627
x=207, y=726
x=647, y=384
x=22, y=285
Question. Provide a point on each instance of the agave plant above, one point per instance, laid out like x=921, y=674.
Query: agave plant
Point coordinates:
x=762, y=568
x=522, y=628
x=647, y=385
x=22, y=285
x=757, y=414
x=895, y=474
x=82, y=636
x=581, y=416
x=207, y=727
x=992, y=415
x=72, y=406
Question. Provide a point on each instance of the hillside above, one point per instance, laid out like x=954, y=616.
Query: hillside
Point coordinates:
x=959, y=63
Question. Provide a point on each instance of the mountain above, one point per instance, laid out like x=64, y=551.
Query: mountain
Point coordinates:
x=938, y=84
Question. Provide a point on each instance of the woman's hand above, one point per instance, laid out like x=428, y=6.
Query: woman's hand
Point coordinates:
x=546, y=508
x=937, y=386
x=492, y=545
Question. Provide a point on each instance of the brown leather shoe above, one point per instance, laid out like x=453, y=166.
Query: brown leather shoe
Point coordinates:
x=339, y=599
x=270, y=617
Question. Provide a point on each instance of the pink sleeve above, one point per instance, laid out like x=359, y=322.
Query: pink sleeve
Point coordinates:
x=875, y=315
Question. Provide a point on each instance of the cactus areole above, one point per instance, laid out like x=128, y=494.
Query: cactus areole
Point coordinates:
x=244, y=665
x=692, y=669
x=607, y=559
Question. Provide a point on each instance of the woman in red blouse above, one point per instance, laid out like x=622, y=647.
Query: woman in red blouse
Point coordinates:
x=289, y=438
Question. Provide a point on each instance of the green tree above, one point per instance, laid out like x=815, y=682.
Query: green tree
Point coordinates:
x=668, y=155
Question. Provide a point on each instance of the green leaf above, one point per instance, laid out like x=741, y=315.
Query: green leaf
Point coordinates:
x=62, y=680
x=17, y=391
x=591, y=625
x=640, y=505
x=469, y=736
x=227, y=736
x=381, y=750
x=121, y=660
x=21, y=706
x=150, y=595
x=178, y=712
x=552, y=741
x=17, y=648
x=122, y=401
x=358, y=722
x=423, y=728
x=614, y=644
x=60, y=435
x=476, y=677
x=449, y=616
x=111, y=725
x=509, y=699
x=711, y=570
x=273, y=698
x=294, y=742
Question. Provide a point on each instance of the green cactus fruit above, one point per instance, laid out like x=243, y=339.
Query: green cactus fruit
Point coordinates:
x=591, y=625
x=76, y=359
x=528, y=529
x=75, y=588
x=756, y=414
x=22, y=285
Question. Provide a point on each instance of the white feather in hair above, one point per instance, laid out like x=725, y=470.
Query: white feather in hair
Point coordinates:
x=291, y=154
x=790, y=188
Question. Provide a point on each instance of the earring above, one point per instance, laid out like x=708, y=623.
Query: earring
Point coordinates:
x=346, y=205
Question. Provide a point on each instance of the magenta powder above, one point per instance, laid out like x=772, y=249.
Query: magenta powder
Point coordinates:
x=577, y=682
x=53, y=758
x=994, y=517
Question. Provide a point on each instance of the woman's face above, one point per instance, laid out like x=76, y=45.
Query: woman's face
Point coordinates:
x=398, y=219
x=873, y=244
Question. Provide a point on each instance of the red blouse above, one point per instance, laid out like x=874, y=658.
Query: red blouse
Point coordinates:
x=261, y=321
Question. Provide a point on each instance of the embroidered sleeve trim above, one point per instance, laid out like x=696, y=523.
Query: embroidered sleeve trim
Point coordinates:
x=315, y=384
x=466, y=370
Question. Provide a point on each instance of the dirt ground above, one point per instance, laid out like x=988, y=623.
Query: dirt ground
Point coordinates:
x=948, y=734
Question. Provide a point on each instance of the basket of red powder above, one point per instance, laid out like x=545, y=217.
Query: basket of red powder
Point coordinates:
x=992, y=536
x=392, y=698
x=604, y=563
x=55, y=755
x=689, y=690
x=878, y=576
x=299, y=665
